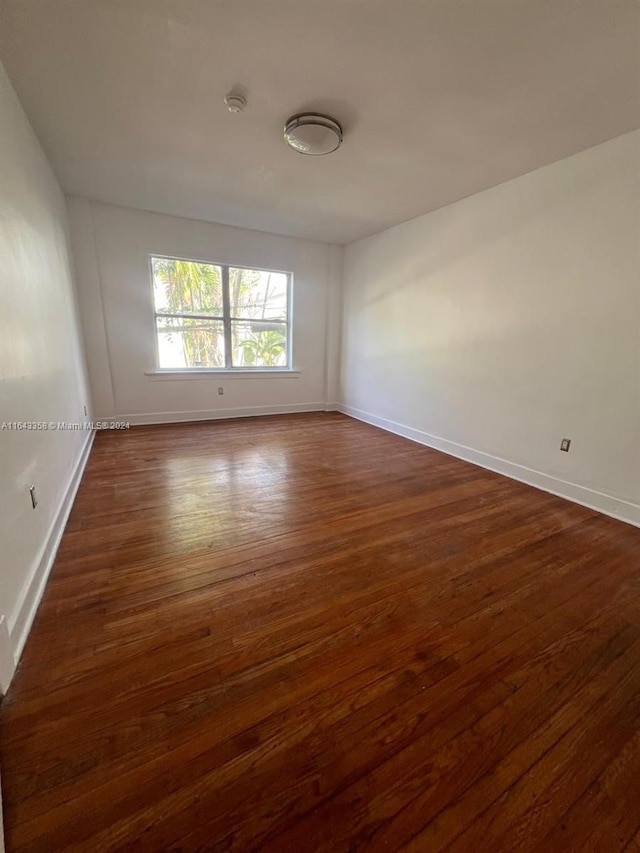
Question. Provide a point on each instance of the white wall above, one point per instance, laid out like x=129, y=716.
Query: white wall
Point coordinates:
x=41, y=371
x=496, y=326
x=111, y=247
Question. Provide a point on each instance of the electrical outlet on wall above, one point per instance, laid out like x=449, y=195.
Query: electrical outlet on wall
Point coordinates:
x=565, y=444
x=34, y=497
x=220, y=390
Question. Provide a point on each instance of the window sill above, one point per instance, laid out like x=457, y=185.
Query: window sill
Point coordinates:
x=205, y=373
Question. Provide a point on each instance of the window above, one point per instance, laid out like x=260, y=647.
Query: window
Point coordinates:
x=220, y=317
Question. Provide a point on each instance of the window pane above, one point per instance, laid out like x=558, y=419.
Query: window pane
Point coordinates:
x=256, y=294
x=190, y=343
x=257, y=344
x=186, y=287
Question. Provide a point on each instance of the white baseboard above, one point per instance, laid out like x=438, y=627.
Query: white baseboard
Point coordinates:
x=214, y=414
x=19, y=627
x=7, y=664
x=607, y=504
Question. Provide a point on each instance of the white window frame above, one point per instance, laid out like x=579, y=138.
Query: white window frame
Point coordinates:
x=244, y=371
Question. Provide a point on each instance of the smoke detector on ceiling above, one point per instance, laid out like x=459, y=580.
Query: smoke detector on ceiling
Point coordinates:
x=235, y=103
x=313, y=133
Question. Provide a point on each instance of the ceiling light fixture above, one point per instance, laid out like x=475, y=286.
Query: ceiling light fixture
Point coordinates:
x=313, y=133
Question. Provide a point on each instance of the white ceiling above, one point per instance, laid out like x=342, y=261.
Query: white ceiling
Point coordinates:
x=439, y=99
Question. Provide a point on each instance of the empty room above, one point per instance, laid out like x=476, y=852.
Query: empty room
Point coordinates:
x=320, y=426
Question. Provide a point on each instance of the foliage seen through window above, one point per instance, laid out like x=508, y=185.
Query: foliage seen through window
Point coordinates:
x=216, y=316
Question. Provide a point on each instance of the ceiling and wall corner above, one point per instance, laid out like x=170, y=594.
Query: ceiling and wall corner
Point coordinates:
x=438, y=100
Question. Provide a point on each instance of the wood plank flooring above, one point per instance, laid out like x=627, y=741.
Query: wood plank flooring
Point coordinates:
x=301, y=633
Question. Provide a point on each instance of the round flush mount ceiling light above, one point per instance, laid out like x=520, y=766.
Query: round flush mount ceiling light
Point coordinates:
x=313, y=133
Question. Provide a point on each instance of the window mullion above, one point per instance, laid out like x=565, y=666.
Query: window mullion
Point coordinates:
x=226, y=311
x=162, y=314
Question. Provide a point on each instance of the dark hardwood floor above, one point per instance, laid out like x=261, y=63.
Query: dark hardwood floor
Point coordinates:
x=301, y=633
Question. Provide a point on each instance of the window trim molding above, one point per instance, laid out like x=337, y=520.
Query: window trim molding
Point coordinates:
x=180, y=372
x=170, y=373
